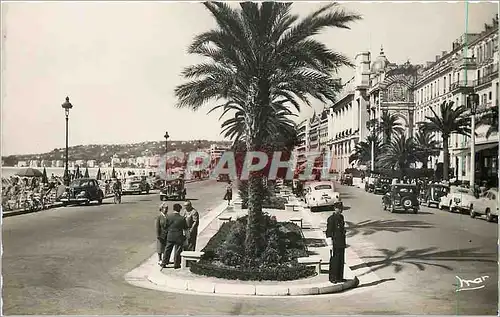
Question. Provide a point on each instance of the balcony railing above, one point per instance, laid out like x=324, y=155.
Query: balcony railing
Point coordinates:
x=462, y=84
x=466, y=62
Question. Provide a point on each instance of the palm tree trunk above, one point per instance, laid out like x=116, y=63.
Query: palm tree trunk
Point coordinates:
x=253, y=239
x=446, y=159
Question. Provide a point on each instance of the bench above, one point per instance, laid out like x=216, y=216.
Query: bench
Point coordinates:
x=289, y=207
x=187, y=256
x=223, y=220
x=238, y=205
x=297, y=221
x=311, y=261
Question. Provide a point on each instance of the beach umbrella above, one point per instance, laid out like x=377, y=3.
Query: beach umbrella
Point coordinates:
x=29, y=172
x=77, y=172
x=86, y=172
x=113, y=173
x=45, y=179
x=98, y=177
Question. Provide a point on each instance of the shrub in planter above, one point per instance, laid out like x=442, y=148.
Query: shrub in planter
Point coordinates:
x=225, y=253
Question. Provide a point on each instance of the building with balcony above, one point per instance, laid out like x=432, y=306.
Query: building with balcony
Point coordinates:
x=216, y=153
x=303, y=136
x=470, y=67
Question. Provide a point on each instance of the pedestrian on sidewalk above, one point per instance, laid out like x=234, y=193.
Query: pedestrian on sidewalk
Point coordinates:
x=336, y=231
x=193, y=220
x=161, y=231
x=229, y=193
x=175, y=226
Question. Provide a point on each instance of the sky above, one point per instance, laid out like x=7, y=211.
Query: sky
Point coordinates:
x=119, y=63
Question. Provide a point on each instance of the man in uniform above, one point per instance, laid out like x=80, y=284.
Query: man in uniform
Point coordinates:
x=193, y=220
x=161, y=231
x=175, y=226
x=336, y=231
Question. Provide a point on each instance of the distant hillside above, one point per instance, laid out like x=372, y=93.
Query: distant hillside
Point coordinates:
x=104, y=152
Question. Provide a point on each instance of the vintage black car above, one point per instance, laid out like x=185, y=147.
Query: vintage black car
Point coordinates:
x=82, y=191
x=401, y=197
x=173, y=190
x=381, y=185
x=346, y=179
x=223, y=178
x=433, y=193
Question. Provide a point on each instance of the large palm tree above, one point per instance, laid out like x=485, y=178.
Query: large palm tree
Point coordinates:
x=490, y=118
x=259, y=55
x=389, y=125
x=425, y=146
x=399, y=153
x=449, y=120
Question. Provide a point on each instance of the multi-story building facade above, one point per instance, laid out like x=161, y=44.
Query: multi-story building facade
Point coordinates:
x=216, y=153
x=303, y=147
x=470, y=67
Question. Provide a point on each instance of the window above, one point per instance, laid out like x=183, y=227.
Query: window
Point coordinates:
x=449, y=82
x=490, y=95
x=444, y=84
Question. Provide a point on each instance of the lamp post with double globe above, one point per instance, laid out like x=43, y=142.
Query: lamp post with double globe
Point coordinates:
x=66, y=106
x=472, y=102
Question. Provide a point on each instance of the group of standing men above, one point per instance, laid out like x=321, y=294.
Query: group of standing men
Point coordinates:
x=176, y=230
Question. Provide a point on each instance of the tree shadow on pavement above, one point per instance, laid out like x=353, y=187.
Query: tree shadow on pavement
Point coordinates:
x=374, y=283
x=420, y=258
x=369, y=227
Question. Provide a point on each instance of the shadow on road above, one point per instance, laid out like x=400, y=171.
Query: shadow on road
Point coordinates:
x=368, y=227
x=374, y=283
x=421, y=258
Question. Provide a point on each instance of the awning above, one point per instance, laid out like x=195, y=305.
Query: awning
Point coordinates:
x=479, y=147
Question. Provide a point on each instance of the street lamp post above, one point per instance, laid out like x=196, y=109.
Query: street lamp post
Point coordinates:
x=66, y=106
x=472, y=101
x=166, y=136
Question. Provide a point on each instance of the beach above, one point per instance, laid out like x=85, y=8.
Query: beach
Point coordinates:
x=59, y=171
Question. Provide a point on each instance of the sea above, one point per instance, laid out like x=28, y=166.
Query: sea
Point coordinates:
x=59, y=171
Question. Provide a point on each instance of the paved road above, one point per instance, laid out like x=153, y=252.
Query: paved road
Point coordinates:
x=72, y=261
x=417, y=257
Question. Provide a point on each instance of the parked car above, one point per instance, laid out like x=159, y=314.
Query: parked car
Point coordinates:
x=82, y=190
x=346, y=179
x=381, y=185
x=433, y=193
x=486, y=205
x=173, y=190
x=321, y=194
x=458, y=199
x=135, y=185
x=370, y=184
x=223, y=178
x=401, y=197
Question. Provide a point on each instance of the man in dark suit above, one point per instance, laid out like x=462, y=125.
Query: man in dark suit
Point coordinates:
x=193, y=220
x=336, y=231
x=175, y=225
x=161, y=231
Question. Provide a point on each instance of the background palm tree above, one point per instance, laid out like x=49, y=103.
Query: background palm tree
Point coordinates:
x=363, y=150
x=449, y=120
x=425, y=146
x=490, y=118
x=399, y=153
x=257, y=56
x=389, y=125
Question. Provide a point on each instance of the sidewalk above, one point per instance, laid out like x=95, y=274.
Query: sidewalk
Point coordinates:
x=148, y=275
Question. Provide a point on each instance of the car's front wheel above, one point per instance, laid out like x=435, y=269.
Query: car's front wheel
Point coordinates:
x=472, y=213
x=489, y=216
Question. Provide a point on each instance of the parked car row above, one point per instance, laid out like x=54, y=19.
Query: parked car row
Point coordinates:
x=463, y=200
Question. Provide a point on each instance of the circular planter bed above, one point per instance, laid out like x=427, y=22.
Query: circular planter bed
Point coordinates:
x=225, y=257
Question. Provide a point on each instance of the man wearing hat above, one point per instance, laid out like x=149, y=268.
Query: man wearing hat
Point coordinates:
x=336, y=231
x=175, y=226
x=161, y=231
x=193, y=220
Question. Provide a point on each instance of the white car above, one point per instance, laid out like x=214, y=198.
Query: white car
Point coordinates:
x=458, y=199
x=321, y=194
x=486, y=205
